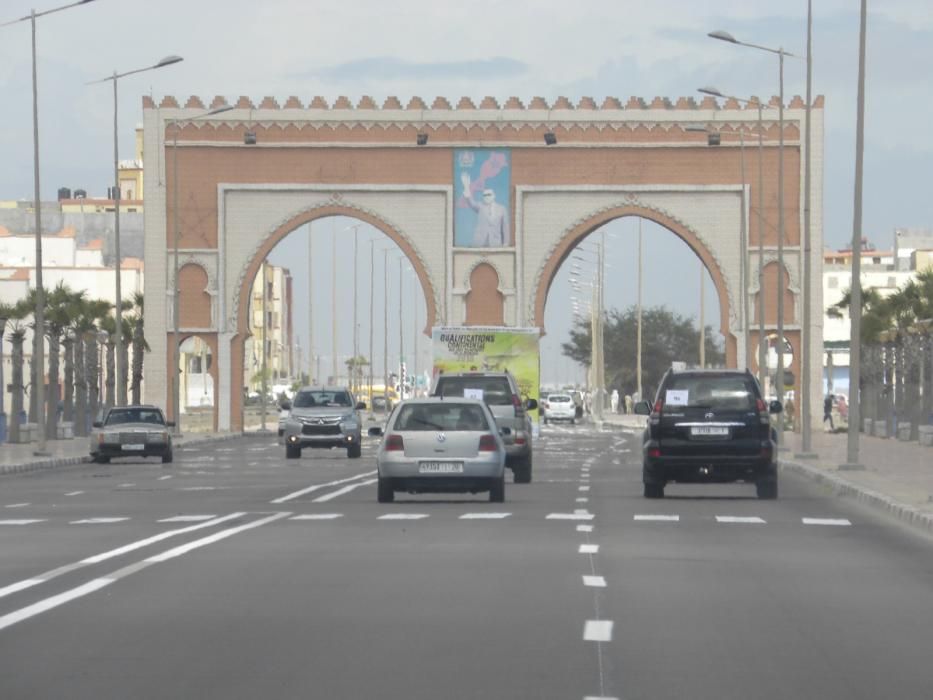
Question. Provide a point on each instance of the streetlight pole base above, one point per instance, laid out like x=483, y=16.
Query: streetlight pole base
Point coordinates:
x=851, y=467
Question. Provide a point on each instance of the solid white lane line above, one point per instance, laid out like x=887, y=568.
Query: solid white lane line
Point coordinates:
x=187, y=519
x=97, y=521
x=569, y=516
x=594, y=581
x=20, y=522
x=589, y=549
x=403, y=516
x=18, y=505
x=659, y=518
x=74, y=493
x=840, y=522
x=53, y=602
x=345, y=489
x=584, y=528
x=318, y=516
x=216, y=537
x=583, y=488
x=318, y=487
x=484, y=516
x=737, y=519
x=597, y=631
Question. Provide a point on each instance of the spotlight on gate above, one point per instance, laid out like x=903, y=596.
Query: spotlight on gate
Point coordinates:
x=249, y=138
x=422, y=139
x=550, y=138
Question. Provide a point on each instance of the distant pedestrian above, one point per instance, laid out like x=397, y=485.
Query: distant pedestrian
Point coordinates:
x=828, y=412
x=614, y=400
x=629, y=404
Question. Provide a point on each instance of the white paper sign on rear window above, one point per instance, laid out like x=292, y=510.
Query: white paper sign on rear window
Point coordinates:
x=473, y=394
x=677, y=397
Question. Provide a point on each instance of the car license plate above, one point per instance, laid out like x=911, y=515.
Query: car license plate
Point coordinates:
x=709, y=431
x=134, y=447
x=440, y=468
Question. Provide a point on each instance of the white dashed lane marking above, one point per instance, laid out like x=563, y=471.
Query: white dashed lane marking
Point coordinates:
x=74, y=493
x=597, y=631
x=840, y=522
x=738, y=519
x=584, y=528
x=589, y=549
x=569, y=516
x=594, y=581
x=583, y=488
x=659, y=518
x=163, y=478
x=403, y=516
x=20, y=522
x=98, y=521
x=583, y=500
x=187, y=518
x=19, y=505
x=318, y=516
x=484, y=516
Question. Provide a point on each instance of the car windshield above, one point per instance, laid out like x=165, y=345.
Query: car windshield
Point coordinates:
x=135, y=415
x=323, y=399
x=722, y=392
x=558, y=398
x=494, y=391
x=449, y=417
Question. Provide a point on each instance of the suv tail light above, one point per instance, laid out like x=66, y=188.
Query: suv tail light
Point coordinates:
x=519, y=406
x=658, y=405
x=487, y=443
x=760, y=405
x=394, y=443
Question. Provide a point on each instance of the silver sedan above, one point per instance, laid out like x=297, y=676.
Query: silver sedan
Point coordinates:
x=131, y=431
x=437, y=445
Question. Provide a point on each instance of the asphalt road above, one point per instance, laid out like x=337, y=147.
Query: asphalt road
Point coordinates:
x=235, y=573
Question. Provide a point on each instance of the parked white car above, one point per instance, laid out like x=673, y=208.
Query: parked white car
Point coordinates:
x=559, y=407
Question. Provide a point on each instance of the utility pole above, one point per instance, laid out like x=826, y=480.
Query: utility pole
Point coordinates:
x=638, y=332
x=414, y=328
x=401, y=334
x=311, y=372
x=702, y=322
x=372, y=287
x=385, y=325
x=333, y=306
x=265, y=320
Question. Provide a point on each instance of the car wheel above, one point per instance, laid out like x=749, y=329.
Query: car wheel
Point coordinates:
x=654, y=490
x=386, y=494
x=101, y=459
x=355, y=450
x=521, y=469
x=167, y=457
x=292, y=452
x=497, y=490
x=767, y=488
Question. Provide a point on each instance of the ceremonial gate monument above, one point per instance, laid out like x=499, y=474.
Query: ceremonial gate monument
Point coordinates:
x=485, y=200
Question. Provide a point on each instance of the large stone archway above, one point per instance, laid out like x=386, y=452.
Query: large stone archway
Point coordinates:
x=396, y=167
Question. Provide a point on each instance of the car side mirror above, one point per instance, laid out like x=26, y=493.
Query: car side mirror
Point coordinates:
x=775, y=407
x=286, y=405
x=375, y=432
x=531, y=405
x=642, y=408
x=360, y=405
x=170, y=424
x=97, y=424
x=505, y=431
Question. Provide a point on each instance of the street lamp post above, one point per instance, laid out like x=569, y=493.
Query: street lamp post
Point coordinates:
x=176, y=338
x=781, y=53
x=118, y=307
x=39, y=331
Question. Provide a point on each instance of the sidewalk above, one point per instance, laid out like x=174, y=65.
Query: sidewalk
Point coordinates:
x=897, y=478
x=20, y=458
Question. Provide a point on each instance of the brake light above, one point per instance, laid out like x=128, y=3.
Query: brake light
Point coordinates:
x=658, y=405
x=654, y=452
x=394, y=443
x=760, y=405
x=487, y=443
x=516, y=400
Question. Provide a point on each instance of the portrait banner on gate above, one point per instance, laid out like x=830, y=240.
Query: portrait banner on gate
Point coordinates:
x=482, y=187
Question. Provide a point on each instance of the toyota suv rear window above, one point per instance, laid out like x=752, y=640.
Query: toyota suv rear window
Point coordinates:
x=735, y=393
x=496, y=390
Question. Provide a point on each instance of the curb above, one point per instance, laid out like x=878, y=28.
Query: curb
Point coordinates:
x=842, y=487
x=55, y=462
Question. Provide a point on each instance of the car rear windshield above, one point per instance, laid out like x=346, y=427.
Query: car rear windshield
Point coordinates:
x=558, y=398
x=325, y=399
x=132, y=415
x=495, y=391
x=736, y=393
x=449, y=417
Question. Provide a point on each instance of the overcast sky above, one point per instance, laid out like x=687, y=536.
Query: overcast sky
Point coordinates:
x=485, y=47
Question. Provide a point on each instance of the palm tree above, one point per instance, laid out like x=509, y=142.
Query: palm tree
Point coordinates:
x=21, y=311
x=85, y=356
x=139, y=345
x=58, y=306
x=7, y=313
x=73, y=310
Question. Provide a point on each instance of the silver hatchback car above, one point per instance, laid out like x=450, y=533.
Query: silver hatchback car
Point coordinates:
x=436, y=445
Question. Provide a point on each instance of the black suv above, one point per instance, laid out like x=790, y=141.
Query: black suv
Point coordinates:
x=709, y=426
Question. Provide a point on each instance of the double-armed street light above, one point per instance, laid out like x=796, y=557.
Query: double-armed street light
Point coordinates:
x=175, y=125
x=39, y=330
x=118, y=307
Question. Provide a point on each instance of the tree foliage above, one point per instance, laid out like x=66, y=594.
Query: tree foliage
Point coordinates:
x=666, y=337
x=898, y=311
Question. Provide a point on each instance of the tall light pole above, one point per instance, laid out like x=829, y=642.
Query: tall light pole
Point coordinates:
x=385, y=326
x=762, y=358
x=263, y=355
x=781, y=53
x=855, y=304
x=38, y=364
x=356, y=333
x=372, y=287
x=638, y=320
x=310, y=305
x=175, y=124
x=401, y=334
x=333, y=307
x=120, y=372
